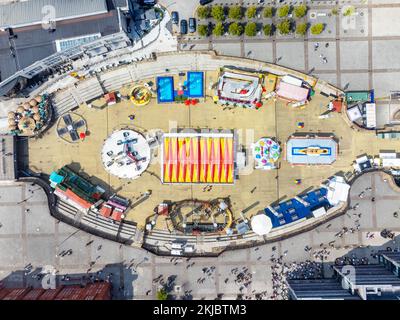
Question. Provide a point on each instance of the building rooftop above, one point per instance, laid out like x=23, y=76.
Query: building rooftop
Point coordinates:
x=91, y=291
x=370, y=275
x=393, y=256
x=320, y=289
x=35, y=43
x=26, y=13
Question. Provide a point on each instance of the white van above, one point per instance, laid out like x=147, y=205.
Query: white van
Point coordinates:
x=176, y=245
x=176, y=252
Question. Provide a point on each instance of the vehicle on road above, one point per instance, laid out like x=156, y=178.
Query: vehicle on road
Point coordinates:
x=184, y=26
x=175, y=17
x=148, y=2
x=192, y=25
x=204, y=2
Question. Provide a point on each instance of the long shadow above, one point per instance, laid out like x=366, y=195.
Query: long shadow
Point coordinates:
x=22, y=149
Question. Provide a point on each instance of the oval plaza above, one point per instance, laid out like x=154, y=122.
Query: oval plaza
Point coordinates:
x=204, y=149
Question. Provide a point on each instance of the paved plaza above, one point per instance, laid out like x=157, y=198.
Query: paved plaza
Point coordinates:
x=28, y=234
x=360, y=53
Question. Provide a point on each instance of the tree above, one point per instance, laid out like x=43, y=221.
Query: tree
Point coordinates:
x=301, y=29
x=349, y=11
x=300, y=11
x=217, y=12
x=235, y=29
x=202, y=30
x=235, y=13
x=317, y=28
x=268, y=12
x=334, y=11
x=218, y=29
x=203, y=12
x=283, y=11
x=162, y=294
x=267, y=30
x=284, y=26
x=251, y=12
x=250, y=29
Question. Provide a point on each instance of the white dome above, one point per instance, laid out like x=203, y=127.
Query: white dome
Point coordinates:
x=261, y=224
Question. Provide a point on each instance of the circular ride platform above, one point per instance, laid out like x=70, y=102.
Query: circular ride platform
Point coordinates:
x=140, y=96
x=266, y=153
x=126, y=154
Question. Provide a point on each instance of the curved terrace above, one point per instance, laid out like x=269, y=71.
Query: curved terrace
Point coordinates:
x=290, y=194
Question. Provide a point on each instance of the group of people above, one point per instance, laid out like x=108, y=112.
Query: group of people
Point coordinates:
x=282, y=271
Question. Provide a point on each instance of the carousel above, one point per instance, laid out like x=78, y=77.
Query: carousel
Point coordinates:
x=140, y=95
x=30, y=117
x=266, y=153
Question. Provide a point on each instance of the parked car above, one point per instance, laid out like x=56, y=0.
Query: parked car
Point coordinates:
x=204, y=2
x=175, y=17
x=192, y=25
x=184, y=27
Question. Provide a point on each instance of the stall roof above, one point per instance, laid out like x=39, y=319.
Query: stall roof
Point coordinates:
x=295, y=147
x=338, y=191
x=292, y=92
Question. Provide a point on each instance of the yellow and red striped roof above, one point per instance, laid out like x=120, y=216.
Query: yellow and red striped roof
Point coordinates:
x=202, y=158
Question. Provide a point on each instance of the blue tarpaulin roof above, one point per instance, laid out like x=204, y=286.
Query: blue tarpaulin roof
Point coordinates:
x=293, y=210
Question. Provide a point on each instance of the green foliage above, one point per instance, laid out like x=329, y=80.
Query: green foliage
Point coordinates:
x=203, y=12
x=349, y=11
x=235, y=13
x=235, y=29
x=202, y=30
x=217, y=12
x=284, y=26
x=283, y=11
x=317, y=28
x=300, y=11
x=268, y=12
x=301, y=29
x=218, y=29
x=162, y=294
x=250, y=29
x=335, y=11
x=267, y=30
x=251, y=12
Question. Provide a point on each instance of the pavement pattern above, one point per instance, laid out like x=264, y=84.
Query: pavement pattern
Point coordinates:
x=29, y=235
x=372, y=35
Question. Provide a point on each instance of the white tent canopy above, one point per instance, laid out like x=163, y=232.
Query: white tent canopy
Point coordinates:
x=338, y=190
x=261, y=224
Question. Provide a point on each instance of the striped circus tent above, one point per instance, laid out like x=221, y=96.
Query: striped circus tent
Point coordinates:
x=198, y=158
